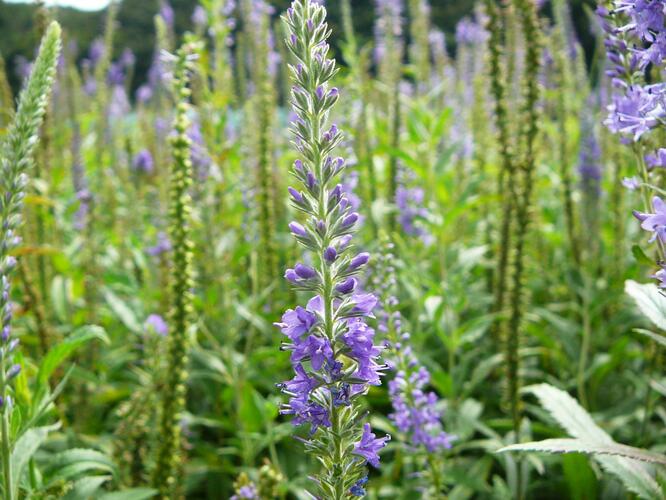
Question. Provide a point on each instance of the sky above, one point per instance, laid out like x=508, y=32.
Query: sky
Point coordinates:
x=79, y=4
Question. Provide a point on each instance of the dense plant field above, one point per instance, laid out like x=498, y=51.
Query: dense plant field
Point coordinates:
x=268, y=274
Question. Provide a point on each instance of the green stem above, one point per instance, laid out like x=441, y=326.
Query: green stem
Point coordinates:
x=585, y=347
x=6, y=445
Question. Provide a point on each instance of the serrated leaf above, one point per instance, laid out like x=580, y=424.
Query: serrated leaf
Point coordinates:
x=580, y=446
x=576, y=421
x=659, y=339
x=648, y=299
x=64, y=349
x=633, y=475
x=569, y=414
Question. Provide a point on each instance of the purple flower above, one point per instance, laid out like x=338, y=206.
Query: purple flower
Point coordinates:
x=127, y=59
x=364, y=303
x=411, y=210
x=201, y=160
x=661, y=277
x=657, y=160
x=358, y=490
x=307, y=412
x=369, y=445
x=96, y=51
x=144, y=94
x=638, y=111
x=316, y=349
x=388, y=27
x=143, y=162
x=631, y=183
x=162, y=246
x=155, y=323
x=302, y=384
x=166, y=13
x=297, y=322
x=199, y=17
x=469, y=32
x=246, y=492
x=656, y=222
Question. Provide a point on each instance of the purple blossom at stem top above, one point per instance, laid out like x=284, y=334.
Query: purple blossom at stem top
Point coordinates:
x=388, y=32
x=334, y=357
x=635, y=37
x=635, y=40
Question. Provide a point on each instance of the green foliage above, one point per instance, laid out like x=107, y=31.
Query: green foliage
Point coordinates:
x=620, y=460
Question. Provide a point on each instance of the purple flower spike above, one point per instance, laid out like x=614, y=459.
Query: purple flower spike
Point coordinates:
x=333, y=355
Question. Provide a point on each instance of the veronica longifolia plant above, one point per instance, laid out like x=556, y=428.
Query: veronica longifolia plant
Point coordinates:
x=332, y=350
x=16, y=159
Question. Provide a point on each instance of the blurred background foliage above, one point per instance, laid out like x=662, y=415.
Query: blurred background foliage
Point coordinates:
x=136, y=18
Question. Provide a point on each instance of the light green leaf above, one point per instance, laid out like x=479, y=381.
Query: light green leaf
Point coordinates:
x=25, y=448
x=648, y=299
x=659, y=339
x=580, y=446
x=131, y=494
x=634, y=474
x=569, y=414
x=86, y=488
x=122, y=311
x=70, y=463
x=64, y=349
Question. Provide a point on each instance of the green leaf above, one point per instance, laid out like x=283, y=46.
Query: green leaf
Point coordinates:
x=64, y=349
x=659, y=339
x=25, y=448
x=634, y=474
x=122, y=311
x=580, y=446
x=59, y=297
x=70, y=463
x=131, y=494
x=569, y=414
x=580, y=478
x=86, y=487
x=251, y=410
x=639, y=255
x=649, y=300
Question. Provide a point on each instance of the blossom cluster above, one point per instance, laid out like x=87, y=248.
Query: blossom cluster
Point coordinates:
x=635, y=39
x=416, y=411
x=332, y=347
x=636, y=45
